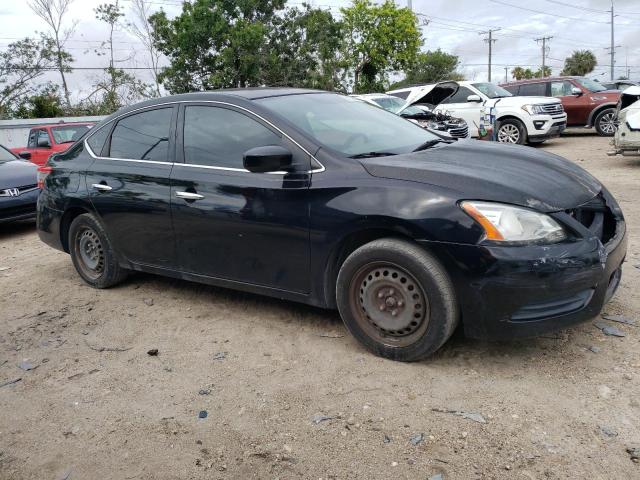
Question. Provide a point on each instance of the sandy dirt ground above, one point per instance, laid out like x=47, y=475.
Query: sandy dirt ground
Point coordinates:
x=97, y=406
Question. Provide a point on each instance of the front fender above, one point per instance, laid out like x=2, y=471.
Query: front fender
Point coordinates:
x=597, y=109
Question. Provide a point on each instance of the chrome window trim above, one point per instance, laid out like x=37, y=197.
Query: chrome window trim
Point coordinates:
x=211, y=167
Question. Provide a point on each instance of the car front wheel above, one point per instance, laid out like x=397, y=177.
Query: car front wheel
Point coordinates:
x=606, y=123
x=511, y=131
x=396, y=299
x=92, y=254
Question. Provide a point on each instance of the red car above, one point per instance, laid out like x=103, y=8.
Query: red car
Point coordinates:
x=587, y=103
x=48, y=139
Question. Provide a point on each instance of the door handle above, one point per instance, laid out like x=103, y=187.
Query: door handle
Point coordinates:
x=189, y=195
x=102, y=187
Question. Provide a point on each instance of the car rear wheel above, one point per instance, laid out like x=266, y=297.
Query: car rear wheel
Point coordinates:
x=396, y=299
x=511, y=131
x=92, y=254
x=606, y=123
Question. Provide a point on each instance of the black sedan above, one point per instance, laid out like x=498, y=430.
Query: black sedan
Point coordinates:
x=18, y=187
x=320, y=198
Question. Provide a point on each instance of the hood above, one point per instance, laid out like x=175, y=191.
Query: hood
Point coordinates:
x=494, y=172
x=17, y=173
x=433, y=94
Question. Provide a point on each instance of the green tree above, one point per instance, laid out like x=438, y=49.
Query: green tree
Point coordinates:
x=431, y=67
x=21, y=63
x=53, y=13
x=118, y=88
x=580, y=63
x=45, y=103
x=302, y=50
x=214, y=43
x=379, y=38
x=520, y=73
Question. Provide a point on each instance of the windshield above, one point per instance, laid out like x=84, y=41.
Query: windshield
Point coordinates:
x=6, y=155
x=69, y=133
x=590, y=85
x=348, y=125
x=392, y=104
x=491, y=90
x=413, y=110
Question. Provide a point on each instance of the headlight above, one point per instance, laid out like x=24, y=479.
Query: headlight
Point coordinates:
x=506, y=223
x=533, y=109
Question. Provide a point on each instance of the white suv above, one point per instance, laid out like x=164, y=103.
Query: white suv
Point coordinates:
x=517, y=119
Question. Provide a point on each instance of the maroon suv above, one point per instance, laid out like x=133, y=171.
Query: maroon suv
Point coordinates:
x=586, y=102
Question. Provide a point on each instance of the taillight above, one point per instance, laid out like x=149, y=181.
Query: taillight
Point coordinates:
x=43, y=171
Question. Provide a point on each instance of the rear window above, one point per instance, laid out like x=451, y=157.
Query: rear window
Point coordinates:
x=143, y=136
x=533, y=90
x=97, y=139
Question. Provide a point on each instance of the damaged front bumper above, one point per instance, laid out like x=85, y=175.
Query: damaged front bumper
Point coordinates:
x=508, y=292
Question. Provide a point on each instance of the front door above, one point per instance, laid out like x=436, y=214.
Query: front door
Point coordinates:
x=458, y=106
x=231, y=223
x=129, y=185
x=574, y=105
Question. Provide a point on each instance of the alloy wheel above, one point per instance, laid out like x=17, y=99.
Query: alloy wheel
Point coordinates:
x=389, y=304
x=508, y=133
x=607, y=123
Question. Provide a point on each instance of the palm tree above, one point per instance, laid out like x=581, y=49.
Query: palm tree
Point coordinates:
x=580, y=63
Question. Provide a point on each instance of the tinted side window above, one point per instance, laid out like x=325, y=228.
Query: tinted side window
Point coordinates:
x=97, y=139
x=143, y=136
x=512, y=89
x=33, y=134
x=561, y=89
x=533, y=90
x=460, y=96
x=218, y=137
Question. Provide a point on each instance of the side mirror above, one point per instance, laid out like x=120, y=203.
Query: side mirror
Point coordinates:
x=25, y=155
x=576, y=91
x=270, y=158
x=474, y=98
x=44, y=143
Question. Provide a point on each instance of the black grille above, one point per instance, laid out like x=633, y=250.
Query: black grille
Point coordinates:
x=597, y=217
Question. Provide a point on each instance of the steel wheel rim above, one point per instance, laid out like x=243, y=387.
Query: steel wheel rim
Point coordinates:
x=90, y=253
x=388, y=304
x=607, y=123
x=508, y=133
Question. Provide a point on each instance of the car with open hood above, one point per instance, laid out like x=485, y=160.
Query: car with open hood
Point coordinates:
x=517, y=119
x=627, y=137
x=18, y=187
x=320, y=198
x=440, y=122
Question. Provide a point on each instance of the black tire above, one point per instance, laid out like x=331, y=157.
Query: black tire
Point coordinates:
x=92, y=253
x=605, y=122
x=366, y=278
x=511, y=130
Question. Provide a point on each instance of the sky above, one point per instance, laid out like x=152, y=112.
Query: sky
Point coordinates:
x=455, y=26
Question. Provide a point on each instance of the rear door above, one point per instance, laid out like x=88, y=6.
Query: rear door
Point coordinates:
x=458, y=106
x=231, y=223
x=129, y=185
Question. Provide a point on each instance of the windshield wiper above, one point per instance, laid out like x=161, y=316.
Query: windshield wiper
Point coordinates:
x=372, y=154
x=431, y=143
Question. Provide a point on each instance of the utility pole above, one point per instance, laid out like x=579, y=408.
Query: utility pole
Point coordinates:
x=544, y=52
x=409, y=5
x=490, y=40
x=506, y=69
x=613, y=48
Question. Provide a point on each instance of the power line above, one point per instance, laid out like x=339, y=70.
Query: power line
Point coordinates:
x=545, y=13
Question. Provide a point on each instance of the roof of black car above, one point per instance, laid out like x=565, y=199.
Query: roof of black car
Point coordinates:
x=228, y=94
